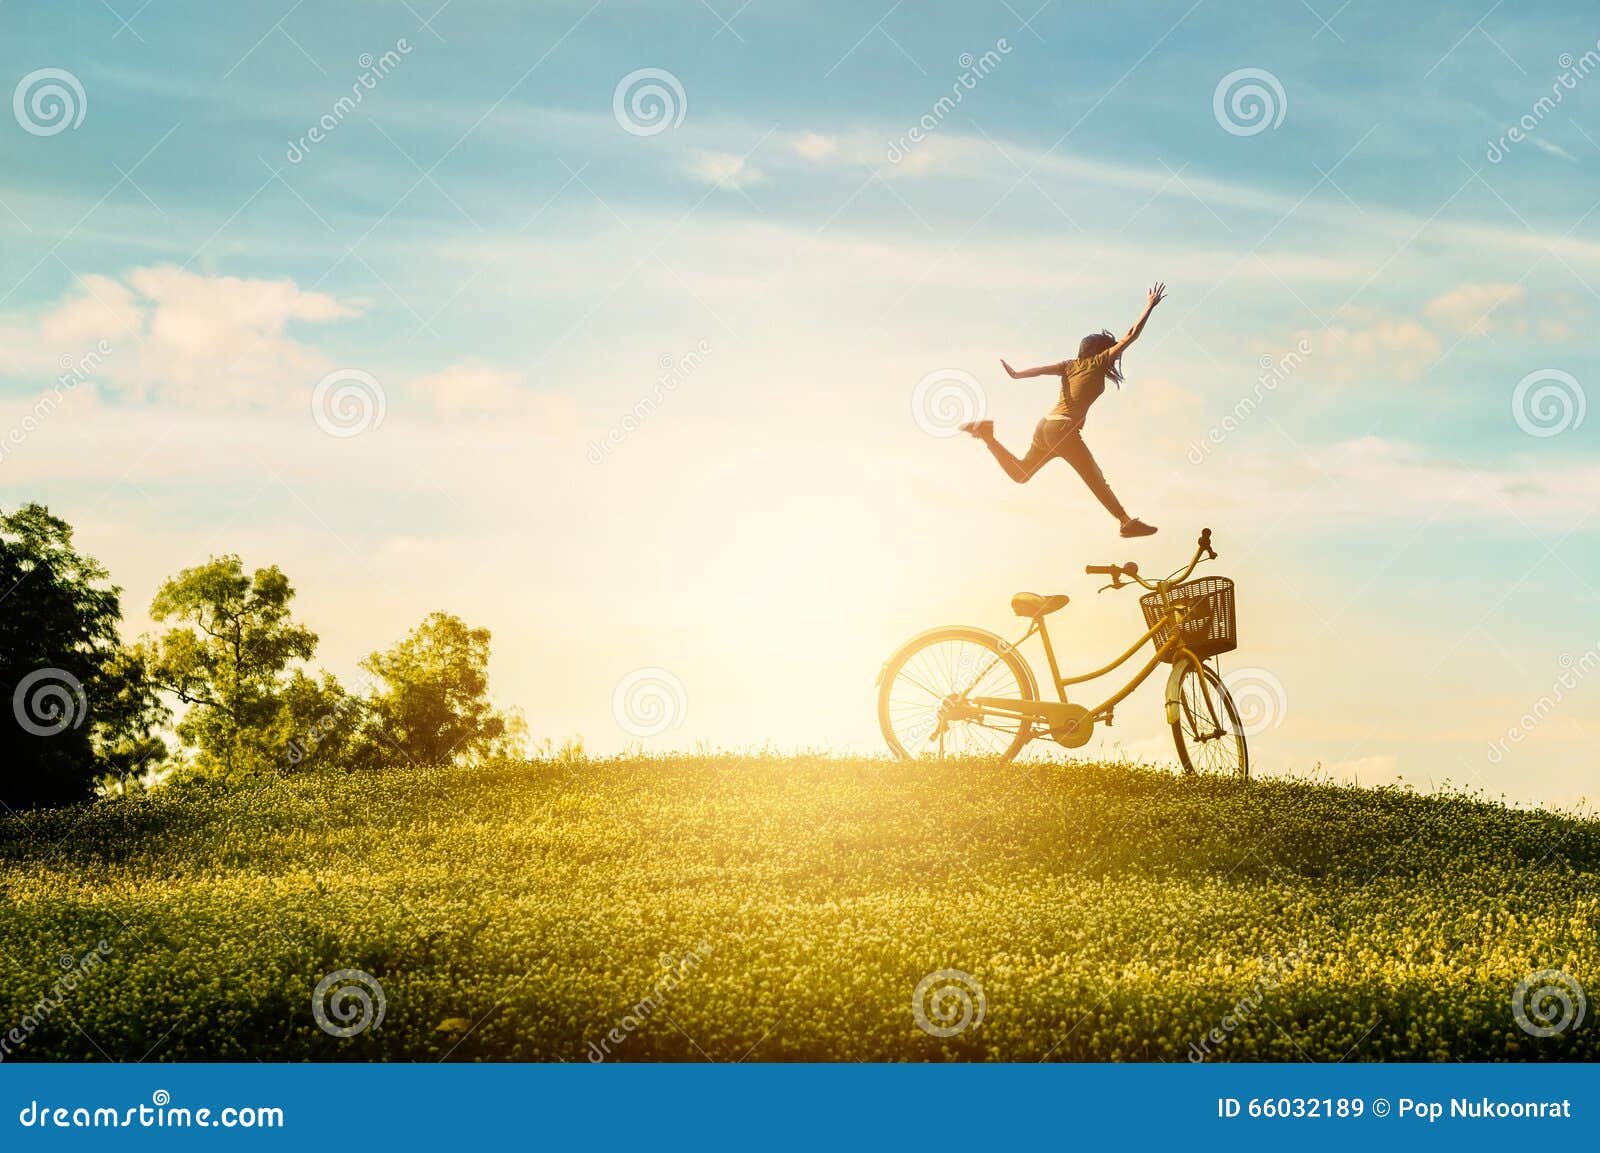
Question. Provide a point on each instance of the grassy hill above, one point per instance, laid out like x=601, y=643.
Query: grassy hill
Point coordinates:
x=786, y=908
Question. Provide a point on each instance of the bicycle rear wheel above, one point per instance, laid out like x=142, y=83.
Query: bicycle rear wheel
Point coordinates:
x=925, y=693
x=1208, y=734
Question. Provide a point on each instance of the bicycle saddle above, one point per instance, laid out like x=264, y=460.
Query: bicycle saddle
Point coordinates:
x=1034, y=605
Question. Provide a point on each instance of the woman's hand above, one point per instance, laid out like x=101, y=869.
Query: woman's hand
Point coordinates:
x=1011, y=372
x=1157, y=294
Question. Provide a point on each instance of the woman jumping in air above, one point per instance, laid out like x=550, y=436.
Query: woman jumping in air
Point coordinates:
x=1060, y=433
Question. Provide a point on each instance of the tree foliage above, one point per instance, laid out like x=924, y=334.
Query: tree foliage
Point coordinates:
x=74, y=698
x=89, y=711
x=432, y=706
x=129, y=745
x=228, y=658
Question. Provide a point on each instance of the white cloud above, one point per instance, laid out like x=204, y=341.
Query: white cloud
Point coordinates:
x=723, y=168
x=1370, y=347
x=469, y=389
x=814, y=146
x=1478, y=309
x=1379, y=483
x=1553, y=149
x=105, y=309
x=1375, y=475
x=184, y=337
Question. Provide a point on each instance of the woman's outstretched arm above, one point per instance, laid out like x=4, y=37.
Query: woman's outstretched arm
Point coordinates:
x=1155, y=297
x=1042, y=370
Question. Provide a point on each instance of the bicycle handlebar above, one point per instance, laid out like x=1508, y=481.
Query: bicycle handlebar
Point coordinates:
x=1131, y=570
x=1111, y=569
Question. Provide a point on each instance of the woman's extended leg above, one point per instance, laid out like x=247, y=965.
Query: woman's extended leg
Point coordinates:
x=1021, y=470
x=1075, y=452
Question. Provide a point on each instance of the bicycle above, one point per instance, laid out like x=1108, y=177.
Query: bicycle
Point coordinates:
x=966, y=690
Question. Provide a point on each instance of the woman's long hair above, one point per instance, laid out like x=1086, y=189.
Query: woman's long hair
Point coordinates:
x=1096, y=343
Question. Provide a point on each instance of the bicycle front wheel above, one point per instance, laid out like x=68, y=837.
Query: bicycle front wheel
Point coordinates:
x=1208, y=734
x=926, y=689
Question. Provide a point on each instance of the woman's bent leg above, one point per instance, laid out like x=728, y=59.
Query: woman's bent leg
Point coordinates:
x=1021, y=470
x=1076, y=453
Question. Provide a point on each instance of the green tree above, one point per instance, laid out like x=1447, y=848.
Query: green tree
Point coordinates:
x=68, y=688
x=228, y=658
x=432, y=706
x=130, y=710
x=318, y=723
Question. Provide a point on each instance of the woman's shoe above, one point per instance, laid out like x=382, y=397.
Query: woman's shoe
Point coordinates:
x=1137, y=527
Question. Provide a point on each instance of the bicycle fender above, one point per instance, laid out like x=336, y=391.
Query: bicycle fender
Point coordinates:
x=1175, y=689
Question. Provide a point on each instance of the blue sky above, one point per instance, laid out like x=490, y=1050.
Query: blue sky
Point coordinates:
x=486, y=242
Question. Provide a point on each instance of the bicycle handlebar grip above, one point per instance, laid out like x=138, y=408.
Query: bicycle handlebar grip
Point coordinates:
x=1100, y=569
x=1205, y=543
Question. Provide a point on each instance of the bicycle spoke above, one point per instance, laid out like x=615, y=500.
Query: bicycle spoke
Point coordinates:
x=1209, y=740
x=971, y=689
x=926, y=710
x=935, y=694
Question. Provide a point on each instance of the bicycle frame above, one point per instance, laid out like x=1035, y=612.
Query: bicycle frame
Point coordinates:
x=1061, y=716
x=1055, y=714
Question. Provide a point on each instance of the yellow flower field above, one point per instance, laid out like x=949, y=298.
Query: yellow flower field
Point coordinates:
x=769, y=908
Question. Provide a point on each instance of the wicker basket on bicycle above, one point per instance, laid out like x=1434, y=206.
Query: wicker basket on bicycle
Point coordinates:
x=1209, y=627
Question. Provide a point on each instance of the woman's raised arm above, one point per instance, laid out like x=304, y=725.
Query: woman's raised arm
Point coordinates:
x=1155, y=297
